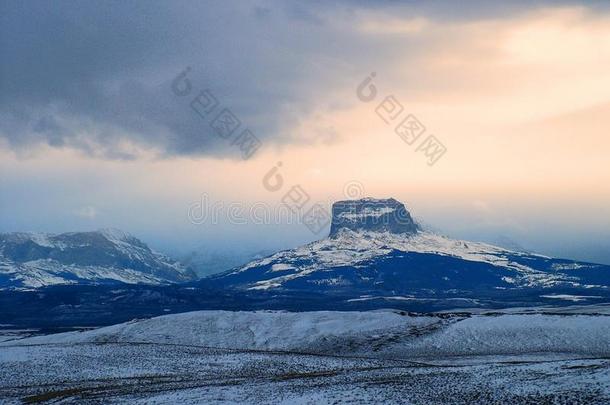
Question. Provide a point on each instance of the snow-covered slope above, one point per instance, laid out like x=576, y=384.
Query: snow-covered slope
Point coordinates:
x=359, y=249
x=31, y=260
x=392, y=332
x=365, y=259
x=375, y=357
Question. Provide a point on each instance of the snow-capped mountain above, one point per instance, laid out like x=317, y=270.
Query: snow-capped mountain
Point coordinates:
x=376, y=250
x=32, y=260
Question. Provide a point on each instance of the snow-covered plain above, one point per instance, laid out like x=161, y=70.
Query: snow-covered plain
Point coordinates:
x=317, y=357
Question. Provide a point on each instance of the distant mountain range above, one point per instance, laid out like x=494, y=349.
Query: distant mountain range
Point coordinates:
x=109, y=256
x=376, y=256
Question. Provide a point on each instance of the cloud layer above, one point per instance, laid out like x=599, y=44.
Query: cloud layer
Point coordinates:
x=96, y=76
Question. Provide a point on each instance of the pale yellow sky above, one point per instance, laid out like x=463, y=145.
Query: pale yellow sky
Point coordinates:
x=522, y=105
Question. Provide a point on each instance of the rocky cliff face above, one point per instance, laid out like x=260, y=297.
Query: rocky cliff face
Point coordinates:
x=370, y=214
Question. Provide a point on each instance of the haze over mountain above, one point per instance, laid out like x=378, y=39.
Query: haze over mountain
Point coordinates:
x=376, y=256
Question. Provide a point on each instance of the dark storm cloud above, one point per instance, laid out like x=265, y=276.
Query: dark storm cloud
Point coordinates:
x=96, y=75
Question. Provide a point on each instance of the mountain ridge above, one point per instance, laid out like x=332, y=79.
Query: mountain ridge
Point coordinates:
x=373, y=254
x=32, y=260
x=352, y=269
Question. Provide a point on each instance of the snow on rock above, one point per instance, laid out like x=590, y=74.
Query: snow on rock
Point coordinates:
x=352, y=248
x=569, y=297
x=372, y=214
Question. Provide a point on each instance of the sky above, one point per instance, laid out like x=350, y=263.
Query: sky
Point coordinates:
x=108, y=118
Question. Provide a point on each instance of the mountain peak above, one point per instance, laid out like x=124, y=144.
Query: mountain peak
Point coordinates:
x=115, y=234
x=372, y=214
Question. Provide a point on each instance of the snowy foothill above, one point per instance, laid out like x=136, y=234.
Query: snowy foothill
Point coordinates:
x=268, y=357
x=389, y=331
